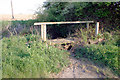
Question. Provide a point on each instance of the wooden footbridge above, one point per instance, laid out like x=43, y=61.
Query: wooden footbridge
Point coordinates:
x=56, y=41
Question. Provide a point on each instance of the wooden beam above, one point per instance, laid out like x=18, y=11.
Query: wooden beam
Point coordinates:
x=39, y=23
x=97, y=28
x=44, y=32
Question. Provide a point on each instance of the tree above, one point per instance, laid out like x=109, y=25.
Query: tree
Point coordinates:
x=107, y=13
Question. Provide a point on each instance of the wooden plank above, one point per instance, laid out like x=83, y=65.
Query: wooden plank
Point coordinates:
x=44, y=32
x=39, y=23
x=97, y=28
x=60, y=41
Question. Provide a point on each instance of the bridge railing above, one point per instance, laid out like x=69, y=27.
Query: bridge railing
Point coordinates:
x=43, y=26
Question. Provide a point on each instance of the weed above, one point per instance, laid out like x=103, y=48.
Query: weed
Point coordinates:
x=105, y=52
x=28, y=57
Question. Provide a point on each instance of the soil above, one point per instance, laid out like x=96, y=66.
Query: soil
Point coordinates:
x=83, y=68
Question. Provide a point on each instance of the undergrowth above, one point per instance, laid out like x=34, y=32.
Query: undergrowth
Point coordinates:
x=29, y=57
x=86, y=34
x=105, y=52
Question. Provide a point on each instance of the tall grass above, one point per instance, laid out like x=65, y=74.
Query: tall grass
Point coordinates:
x=18, y=27
x=28, y=57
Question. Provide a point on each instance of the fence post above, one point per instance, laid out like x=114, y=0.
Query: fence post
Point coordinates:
x=44, y=32
x=87, y=25
x=97, y=28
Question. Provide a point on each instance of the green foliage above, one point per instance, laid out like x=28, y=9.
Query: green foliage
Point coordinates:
x=100, y=13
x=0, y=59
x=3, y=28
x=86, y=34
x=29, y=57
x=105, y=52
x=59, y=11
x=4, y=24
x=27, y=23
x=106, y=13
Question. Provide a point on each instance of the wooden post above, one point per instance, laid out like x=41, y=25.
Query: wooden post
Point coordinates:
x=44, y=32
x=97, y=28
x=12, y=10
x=87, y=25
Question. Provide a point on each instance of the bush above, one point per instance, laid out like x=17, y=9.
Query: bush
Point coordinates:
x=28, y=57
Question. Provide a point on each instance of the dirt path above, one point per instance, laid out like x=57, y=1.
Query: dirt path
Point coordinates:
x=83, y=69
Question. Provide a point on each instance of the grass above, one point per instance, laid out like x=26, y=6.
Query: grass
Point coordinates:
x=17, y=27
x=28, y=57
x=105, y=52
x=86, y=34
x=0, y=59
x=27, y=23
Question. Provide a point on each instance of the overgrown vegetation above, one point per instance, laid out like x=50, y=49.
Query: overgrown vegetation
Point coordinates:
x=24, y=55
x=105, y=52
x=106, y=13
x=28, y=57
x=17, y=27
x=0, y=59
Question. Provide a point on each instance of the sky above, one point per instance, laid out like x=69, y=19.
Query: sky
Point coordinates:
x=20, y=6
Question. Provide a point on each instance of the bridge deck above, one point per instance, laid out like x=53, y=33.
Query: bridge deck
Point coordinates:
x=60, y=41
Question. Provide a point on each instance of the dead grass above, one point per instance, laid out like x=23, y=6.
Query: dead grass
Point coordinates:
x=17, y=17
